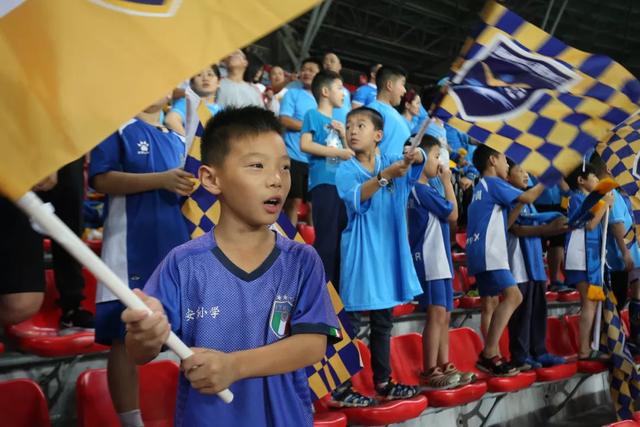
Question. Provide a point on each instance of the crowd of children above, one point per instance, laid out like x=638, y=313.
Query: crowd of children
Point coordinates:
x=383, y=215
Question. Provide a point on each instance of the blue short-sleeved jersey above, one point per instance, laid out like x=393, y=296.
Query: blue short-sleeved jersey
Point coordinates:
x=212, y=303
x=429, y=233
x=340, y=113
x=487, y=225
x=365, y=94
x=374, y=245
x=530, y=249
x=619, y=214
x=321, y=169
x=395, y=132
x=180, y=107
x=141, y=228
x=295, y=104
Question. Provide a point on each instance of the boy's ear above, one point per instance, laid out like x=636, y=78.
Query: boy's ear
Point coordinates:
x=210, y=179
x=377, y=136
x=389, y=85
x=325, y=91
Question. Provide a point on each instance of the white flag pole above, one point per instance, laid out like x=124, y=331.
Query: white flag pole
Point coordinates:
x=31, y=204
x=595, y=344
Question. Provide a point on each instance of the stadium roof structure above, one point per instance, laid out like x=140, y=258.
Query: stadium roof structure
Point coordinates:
x=425, y=36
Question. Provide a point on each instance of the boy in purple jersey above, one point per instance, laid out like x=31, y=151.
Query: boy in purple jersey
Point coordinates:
x=252, y=304
x=487, y=251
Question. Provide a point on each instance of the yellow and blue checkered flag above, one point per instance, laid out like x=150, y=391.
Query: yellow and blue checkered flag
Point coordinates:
x=534, y=98
x=621, y=152
x=625, y=379
x=201, y=211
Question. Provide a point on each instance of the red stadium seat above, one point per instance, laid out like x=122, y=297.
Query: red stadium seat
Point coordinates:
x=23, y=404
x=584, y=366
x=467, y=280
x=158, y=388
x=403, y=309
x=624, y=423
x=95, y=245
x=465, y=346
x=551, y=296
x=559, y=339
x=41, y=333
x=303, y=212
x=406, y=363
x=329, y=419
x=553, y=373
x=470, y=302
x=46, y=244
x=307, y=232
x=461, y=240
x=456, y=303
x=572, y=296
x=395, y=411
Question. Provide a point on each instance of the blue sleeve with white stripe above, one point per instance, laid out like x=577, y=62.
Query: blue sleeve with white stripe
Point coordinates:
x=504, y=193
x=106, y=156
x=433, y=202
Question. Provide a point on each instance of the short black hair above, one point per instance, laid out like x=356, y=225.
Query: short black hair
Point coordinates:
x=386, y=73
x=481, y=157
x=231, y=124
x=582, y=171
x=312, y=60
x=428, y=94
x=324, y=78
x=373, y=115
x=429, y=141
x=599, y=165
x=215, y=69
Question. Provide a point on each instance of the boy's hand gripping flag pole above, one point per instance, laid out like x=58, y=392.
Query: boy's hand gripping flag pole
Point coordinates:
x=31, y=204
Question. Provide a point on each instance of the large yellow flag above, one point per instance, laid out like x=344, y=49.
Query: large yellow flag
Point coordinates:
x=73, y=71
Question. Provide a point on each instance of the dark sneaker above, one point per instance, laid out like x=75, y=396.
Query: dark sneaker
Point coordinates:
x=394, y=391
x=77, y=318
x=349, y=398
x=547, y=360
x=496, y=366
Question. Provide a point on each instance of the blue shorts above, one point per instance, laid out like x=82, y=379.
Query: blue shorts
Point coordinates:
x=437, y=292
x=573, y=277
x=109, y=327
x=494, y=282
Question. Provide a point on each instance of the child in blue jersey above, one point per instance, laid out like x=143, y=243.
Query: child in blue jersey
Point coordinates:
x=390, y=82
x=295, y=104
x=253, y=305
x=487, y=251
x=323, y=139
x=528, y=324
x=205, y=85
x=139, y=168
x=377, y=272
x=623, y=253
x=583, y=257
x=366, y=93
x=429, y=238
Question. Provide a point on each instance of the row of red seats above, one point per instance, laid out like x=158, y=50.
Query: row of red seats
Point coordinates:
x=464, y=346
x=406, y=359
x=41, y=333
x=23, y=403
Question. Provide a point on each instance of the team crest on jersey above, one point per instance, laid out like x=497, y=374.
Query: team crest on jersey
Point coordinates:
x=148, y=8
x=502, y=80
x=143, y=147
x=280, y=316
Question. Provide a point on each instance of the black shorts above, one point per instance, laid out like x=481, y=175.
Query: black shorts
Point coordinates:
x=21, y=254
x=557, y=240
x=299, y=180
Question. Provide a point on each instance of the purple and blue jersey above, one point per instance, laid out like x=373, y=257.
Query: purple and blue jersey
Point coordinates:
x=212, y=303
